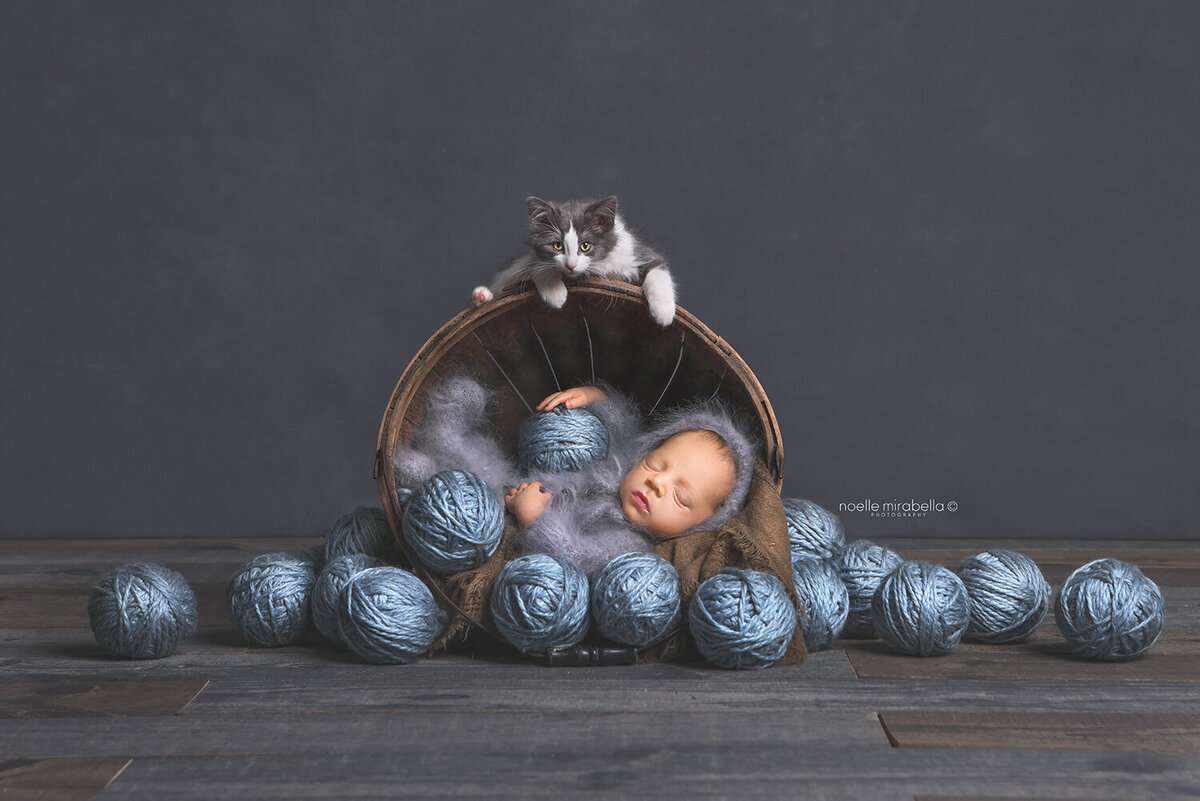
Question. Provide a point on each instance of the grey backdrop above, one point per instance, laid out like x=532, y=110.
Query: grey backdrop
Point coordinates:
x=957, y=241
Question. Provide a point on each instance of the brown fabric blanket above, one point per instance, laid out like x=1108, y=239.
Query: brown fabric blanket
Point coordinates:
x=756, y=539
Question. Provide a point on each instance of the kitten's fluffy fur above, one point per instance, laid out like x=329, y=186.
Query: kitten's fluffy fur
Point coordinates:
x=584, y=237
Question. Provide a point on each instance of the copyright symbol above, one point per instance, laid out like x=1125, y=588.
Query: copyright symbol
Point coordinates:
x=952, y=505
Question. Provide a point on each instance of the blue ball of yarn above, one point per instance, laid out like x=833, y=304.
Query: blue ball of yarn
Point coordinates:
x=1109, y=611
x=862, y=565
x=270, y=597
x=921, y=609
x=453, y=522
x=365, y=530
x=315, y=556
x=635, y=599
x=333, y=578
x=388, y=616
x=824, y=601
x=813, y=531
x=142, y=611
x=561, y=440
x=742, y=619
x=541, y=602
x=1009, y=596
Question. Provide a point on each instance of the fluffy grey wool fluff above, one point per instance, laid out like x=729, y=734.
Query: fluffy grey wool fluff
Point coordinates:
x=584, y=521
x=456, y=434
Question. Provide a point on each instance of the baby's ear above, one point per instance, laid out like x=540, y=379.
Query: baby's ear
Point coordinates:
x=604, y=212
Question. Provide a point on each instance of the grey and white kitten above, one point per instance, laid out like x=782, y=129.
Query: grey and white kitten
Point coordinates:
x=584, y=237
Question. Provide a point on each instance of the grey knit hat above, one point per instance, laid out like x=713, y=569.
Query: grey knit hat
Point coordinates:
x=716, y=417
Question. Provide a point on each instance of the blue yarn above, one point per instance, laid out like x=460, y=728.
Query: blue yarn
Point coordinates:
x=813, y=531
x=862, y=566
x=314, y=555
x=541, y=602
x=561, y=440
x=635, y=599
x=388, y=616
x=1009, y=596
x=824, y=601
x=269, y=599
x=333, y=578
x=921, y=609
x=142, y=611
x=365, y=530
x=453, y=522
x=1109, y=611
x=742, y=619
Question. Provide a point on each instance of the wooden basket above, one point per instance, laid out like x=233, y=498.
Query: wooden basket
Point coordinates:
x=604, y=331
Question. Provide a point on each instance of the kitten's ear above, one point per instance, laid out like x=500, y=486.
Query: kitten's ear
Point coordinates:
x=539, y=214
x=604, y=212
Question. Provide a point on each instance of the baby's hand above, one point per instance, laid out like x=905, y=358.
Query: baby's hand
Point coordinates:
x=527, y=502
x=573, y=398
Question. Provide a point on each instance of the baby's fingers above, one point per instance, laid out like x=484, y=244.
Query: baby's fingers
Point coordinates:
x=550, y=402
x=570, y=398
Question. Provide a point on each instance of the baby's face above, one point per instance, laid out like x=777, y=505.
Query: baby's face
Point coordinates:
x=678, y=485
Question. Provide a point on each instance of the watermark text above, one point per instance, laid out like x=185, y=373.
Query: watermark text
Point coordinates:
x=897, y=507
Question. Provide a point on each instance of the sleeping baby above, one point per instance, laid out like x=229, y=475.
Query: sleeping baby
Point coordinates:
x=690, y=470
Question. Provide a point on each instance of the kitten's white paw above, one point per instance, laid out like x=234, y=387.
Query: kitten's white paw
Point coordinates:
x=480, y=296
x=555, y=295
x=662, y=311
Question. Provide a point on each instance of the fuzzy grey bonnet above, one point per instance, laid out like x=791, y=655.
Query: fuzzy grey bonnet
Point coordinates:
x=716, y=417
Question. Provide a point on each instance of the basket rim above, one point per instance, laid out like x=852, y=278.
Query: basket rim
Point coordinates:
x=445, y=338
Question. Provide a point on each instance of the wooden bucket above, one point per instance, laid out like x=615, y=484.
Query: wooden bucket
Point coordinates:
x=604, y=331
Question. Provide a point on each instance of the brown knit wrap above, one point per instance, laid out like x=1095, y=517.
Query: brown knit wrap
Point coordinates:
x=471, y=590
x=755, y=539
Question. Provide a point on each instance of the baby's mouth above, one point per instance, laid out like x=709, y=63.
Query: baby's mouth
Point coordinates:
x=642, y=502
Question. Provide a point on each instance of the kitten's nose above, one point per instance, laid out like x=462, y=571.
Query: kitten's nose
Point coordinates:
x=572, y=264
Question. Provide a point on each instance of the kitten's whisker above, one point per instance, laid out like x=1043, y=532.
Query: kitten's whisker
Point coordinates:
x=501, y=369
x=553, y=374
x=678, y=361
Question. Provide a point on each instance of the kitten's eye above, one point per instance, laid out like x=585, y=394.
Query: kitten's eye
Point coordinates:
x=585, y=246
x=558, y=245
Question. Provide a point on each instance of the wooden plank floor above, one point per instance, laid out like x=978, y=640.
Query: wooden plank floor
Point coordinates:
x=219, y=719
